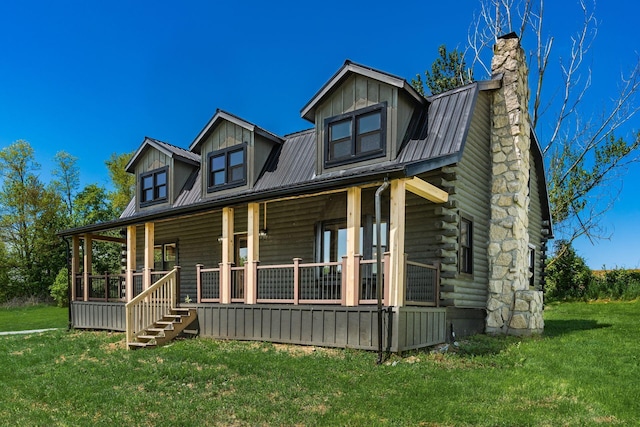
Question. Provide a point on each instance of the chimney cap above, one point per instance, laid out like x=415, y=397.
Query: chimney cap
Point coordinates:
x=511, y=35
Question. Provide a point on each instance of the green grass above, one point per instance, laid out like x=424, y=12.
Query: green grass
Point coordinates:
x=583, y=371
x=32, y=317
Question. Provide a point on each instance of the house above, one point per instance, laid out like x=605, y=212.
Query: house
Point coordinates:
x=430, y=214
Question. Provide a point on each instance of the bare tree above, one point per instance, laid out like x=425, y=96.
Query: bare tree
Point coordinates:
x=585, y=160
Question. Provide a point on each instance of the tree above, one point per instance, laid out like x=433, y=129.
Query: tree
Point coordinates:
x=91, y=205
x=123, y=182
x=448, y=72
x=567, y=273
x=29, y=218
x=584, y=157
x=66, y=179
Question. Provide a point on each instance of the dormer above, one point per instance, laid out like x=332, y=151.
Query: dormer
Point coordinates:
x=162, y=171
x=232, y=153
x=361, y=117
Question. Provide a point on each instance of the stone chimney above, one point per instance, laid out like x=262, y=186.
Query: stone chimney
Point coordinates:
x=511, y=307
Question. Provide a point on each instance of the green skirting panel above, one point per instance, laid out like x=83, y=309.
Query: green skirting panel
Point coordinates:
x=98, y=315
x=327, y=326
x=404, y=328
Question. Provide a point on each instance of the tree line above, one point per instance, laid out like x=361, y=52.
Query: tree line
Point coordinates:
x=32, y=212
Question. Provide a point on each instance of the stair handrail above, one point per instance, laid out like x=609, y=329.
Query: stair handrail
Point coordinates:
x=152, y=304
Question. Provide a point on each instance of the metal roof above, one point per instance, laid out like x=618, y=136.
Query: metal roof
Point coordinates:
x=166, y=148
x=349, y=67
x=223, y=115
x=436, y=138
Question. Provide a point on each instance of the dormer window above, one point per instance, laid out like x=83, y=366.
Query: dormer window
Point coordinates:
x=227, y=168
x=356, y=136
x=153, y=187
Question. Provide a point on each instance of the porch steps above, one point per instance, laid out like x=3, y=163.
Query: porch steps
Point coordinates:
x=165, y=330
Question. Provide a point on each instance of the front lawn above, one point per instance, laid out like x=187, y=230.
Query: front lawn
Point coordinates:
x=30, y=317
x=584, y=371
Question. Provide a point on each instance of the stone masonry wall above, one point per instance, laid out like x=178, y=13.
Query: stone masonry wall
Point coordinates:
x=508, y=233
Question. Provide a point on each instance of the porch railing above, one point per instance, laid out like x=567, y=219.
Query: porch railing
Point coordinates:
x=101, y=287
x=111, y=287
x=297, y=283
x=422, y=284
x=152, y=304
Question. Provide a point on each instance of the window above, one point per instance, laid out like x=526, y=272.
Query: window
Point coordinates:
x=333, y=241
x=466, y=246
x=153, y=187
x=164, y=257
x=532, y=265
x=227, y=168
x=355, y=136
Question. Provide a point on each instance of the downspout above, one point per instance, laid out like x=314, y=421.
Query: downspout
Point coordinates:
x=69, y=283
x=379, y=281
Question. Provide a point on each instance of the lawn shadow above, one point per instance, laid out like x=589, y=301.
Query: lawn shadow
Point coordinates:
x=557, y=327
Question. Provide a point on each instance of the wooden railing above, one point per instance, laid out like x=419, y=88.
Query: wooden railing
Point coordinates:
x=423, y=284
x=152, y=304
x=296, y=283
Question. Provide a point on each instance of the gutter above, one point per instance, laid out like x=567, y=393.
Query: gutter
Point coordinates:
x=258, y=196
x=379, y=282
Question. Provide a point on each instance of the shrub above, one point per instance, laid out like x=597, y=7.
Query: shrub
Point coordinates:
x=615, y=284
x=568, y=276
x=60, y=288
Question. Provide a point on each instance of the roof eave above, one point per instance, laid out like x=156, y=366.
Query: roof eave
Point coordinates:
x=308, y=111
x=223, y=115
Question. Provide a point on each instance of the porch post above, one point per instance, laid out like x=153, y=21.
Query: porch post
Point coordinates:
x=131, y=260
x=253, y=252
x=227, y=255
x=75, y=264
x=87, y=269
x=354, y=207
x=149, y=230
x=396, y=243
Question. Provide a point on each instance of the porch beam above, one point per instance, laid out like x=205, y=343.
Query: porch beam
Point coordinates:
x=227, y=255
x=149, y=242
x=397, y=243
x=75, y=264
x=131, y=260
x=425, y=190
x=101, y=238
x=253, y=252
x=87, y=267
x=354, y=209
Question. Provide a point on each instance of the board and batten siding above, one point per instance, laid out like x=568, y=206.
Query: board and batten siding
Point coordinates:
x=472, y=195
x=226, y=135
x=152, y=160
x=354, y=93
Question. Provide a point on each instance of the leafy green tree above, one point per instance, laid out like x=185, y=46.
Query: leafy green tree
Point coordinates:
x=30, y=215
x=449, y=71
x=91, y=205
x=66, y=180
x=123, y=182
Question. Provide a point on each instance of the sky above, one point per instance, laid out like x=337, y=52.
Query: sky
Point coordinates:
x=95, y=77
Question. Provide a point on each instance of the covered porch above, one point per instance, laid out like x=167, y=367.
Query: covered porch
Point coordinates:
x=281, y=269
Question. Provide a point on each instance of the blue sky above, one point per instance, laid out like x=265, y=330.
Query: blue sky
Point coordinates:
x=95, y=77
